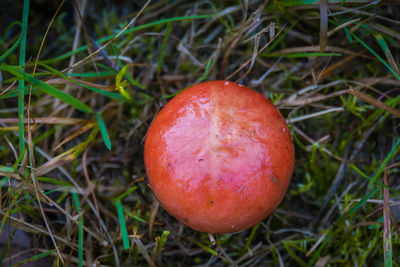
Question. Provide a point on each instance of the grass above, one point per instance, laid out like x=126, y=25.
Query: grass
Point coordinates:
x=73, y=189
x=21, y=82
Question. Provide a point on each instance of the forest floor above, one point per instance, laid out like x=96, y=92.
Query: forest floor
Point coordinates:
x=74, y=117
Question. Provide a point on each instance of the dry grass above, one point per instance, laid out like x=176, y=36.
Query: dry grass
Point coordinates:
x=73, y=121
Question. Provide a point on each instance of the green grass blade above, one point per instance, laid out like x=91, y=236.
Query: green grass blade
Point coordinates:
x=35, y=257
x=6, y=169
x=348, y=35
x=122, y=225
x=9, y=27
x=48, y=89
x=362, y=174
x=103, y=131
x=160, y=243
x=206, y=72
x=14, y=93
x=382, y=166
x=382, y=43
x=120, y=83
x=44, y=136
x=21, y=82
x=80, y=229
x=250, y=239
x=11, y=49
x=385, y=48
x=54, y=181
x=286, y=245
x=377, y=56
x=112, y=95
x=99, y=74
x=163, y=239
x=209, y=250
x=127, y=192
x=125, y=73
x=358, y=205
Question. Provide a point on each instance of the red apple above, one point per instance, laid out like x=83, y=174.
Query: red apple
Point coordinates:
x=219, y=157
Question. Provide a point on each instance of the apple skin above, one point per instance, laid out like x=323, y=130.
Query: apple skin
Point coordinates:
x=219, y=157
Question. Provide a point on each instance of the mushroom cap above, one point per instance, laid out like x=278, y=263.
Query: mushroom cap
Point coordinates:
x=219, y=157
